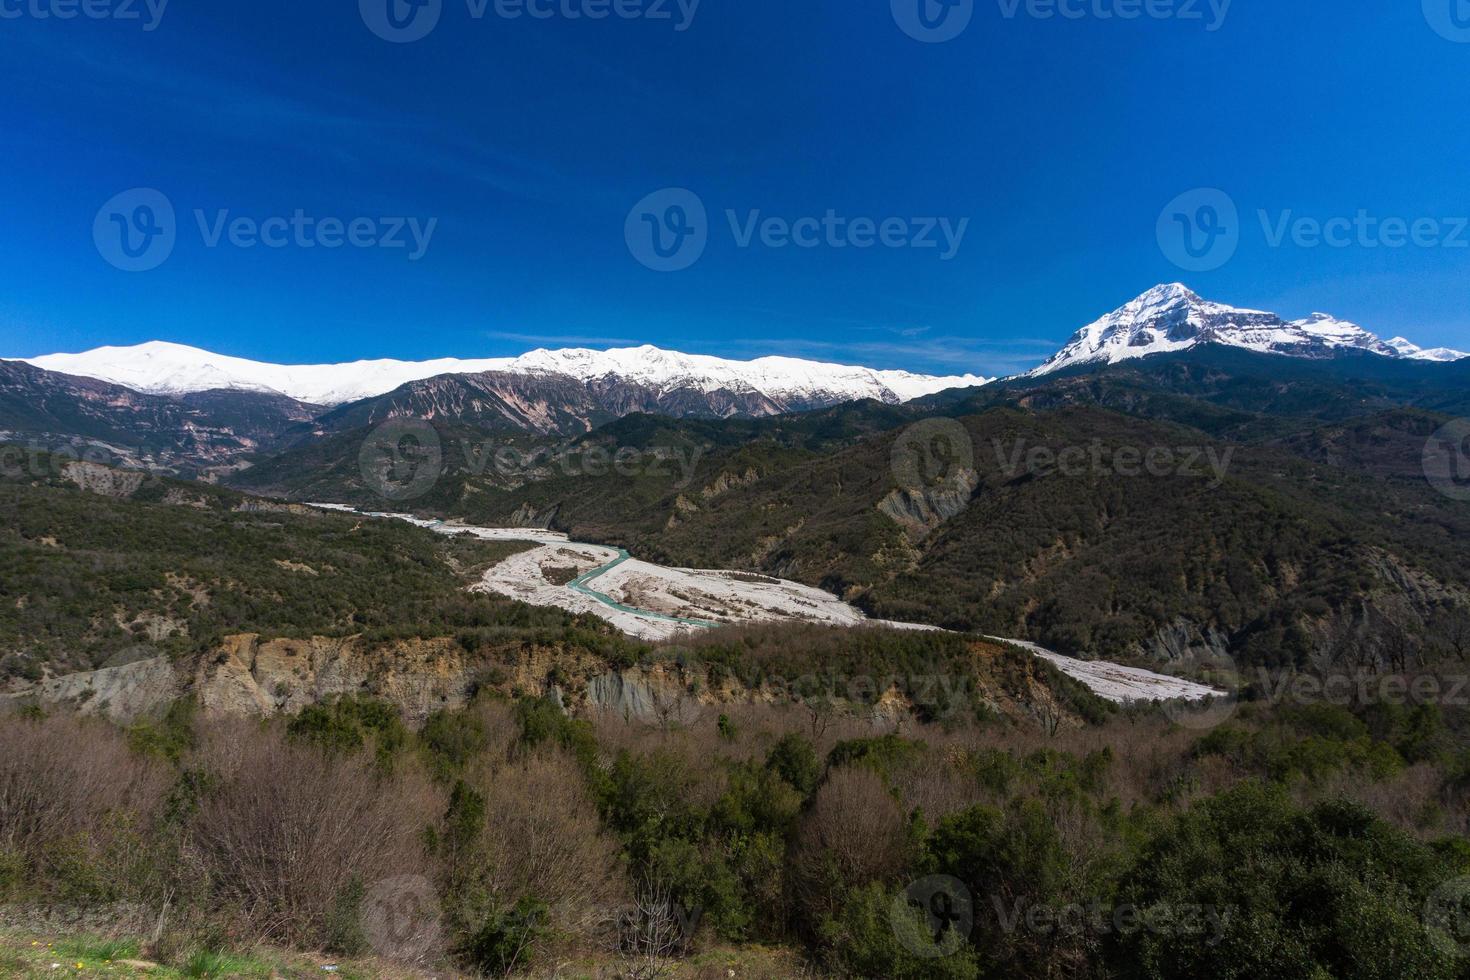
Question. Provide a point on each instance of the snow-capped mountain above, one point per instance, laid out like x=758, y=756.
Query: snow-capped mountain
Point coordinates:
x=173, y=369
x=1172, y=317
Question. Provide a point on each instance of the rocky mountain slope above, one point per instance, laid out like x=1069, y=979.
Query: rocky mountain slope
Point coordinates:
x=1171, y=318
x=1297, y=521
x=113, y=423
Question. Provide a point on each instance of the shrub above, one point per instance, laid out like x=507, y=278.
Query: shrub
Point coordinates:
x=286, y=830
x=525, y=850
x=74, y=806
x=854, y=834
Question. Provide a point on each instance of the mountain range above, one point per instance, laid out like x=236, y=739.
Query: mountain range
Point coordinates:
x=776, y=383
x=1315, y=539
x=196, y=413
x=1171, y=318
x=1167, y=319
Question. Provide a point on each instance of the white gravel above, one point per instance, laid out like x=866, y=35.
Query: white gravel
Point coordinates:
x=659, y=596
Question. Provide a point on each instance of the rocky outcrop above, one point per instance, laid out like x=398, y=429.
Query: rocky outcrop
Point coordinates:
x=254, y=677
x=1183, y=642
x=104, y=480
x=920, y=511
x=529, y=517
x=123, y=694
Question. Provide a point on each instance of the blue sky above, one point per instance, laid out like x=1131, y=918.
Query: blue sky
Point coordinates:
x=529, y=140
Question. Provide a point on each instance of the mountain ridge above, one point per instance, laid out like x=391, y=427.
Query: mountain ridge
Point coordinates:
x=163, y=368
x=1171, y=317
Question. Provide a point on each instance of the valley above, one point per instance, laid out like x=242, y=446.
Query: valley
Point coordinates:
x=1045, y=636
x=652, y=602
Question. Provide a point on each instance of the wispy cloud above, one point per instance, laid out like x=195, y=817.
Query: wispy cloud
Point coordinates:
x=563, y=340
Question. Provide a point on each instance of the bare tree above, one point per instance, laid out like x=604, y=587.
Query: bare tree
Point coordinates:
x=853, y=834
x=653, y=932
x=287, y=829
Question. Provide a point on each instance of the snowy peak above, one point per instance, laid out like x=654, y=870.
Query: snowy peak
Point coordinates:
x=1172, y=317
x=164, y=368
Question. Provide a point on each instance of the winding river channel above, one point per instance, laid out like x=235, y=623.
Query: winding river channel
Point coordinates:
x=655, y=602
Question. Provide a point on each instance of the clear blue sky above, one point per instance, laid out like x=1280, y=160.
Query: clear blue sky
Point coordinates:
x=530, y=140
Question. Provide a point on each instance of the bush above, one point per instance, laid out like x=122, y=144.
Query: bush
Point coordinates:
x=524, y=850
x=853, y=835
x=1331, y=891
x=75, y=806
x=286, y=830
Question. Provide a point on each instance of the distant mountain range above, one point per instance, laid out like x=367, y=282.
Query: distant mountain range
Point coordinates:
x=1167, y=319
x=1172, y=318
x=1317, y=539
x=766, y=385
x=166, y=406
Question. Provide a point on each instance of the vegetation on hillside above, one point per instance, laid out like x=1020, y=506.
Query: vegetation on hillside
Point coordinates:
x=507, y=838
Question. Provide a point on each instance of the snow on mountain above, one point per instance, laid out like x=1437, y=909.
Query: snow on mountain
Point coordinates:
x=1172, y=317
x=173, y=369
x=1412, y=350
